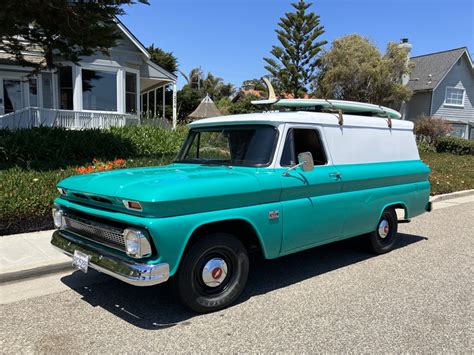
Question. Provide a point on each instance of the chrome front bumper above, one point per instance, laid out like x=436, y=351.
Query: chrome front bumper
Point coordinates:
x=125, y=270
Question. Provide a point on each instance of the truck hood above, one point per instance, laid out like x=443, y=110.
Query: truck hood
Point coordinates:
x=169, y=190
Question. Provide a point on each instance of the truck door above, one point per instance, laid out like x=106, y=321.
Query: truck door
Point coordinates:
x=312, y=203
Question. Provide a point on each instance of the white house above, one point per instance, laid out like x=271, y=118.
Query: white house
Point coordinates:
x=100, y=91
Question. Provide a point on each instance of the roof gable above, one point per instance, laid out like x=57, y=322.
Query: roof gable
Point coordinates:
x=430, y=69
x=132, y=38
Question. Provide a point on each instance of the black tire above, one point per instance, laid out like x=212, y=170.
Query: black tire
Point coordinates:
x=193, y=279
x=383, y=238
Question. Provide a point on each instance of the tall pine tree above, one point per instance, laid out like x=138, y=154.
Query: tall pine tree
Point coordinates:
x=295, y=62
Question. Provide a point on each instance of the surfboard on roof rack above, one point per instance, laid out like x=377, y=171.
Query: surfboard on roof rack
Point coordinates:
x=324, y=104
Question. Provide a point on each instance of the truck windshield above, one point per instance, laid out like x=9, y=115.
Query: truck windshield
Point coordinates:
x=232, y=145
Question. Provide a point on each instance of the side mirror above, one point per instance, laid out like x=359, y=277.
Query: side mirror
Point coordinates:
x=306, y=161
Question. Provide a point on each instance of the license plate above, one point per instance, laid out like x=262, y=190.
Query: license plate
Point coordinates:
x=80, y=260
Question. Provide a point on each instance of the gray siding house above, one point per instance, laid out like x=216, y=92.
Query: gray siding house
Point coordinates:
x=98, y=92
x=443, y=87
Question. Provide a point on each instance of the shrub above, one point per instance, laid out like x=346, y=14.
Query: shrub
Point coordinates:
x=26, y=196
x=430, y=129
x=151, y=140
x=425, y=147
x=455, y=145
x=52, y=148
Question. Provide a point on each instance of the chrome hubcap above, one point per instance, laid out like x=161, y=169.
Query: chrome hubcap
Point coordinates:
x=214, y=272
x=383, y=228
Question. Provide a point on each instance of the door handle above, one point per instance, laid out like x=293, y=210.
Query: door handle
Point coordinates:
x=336, y=175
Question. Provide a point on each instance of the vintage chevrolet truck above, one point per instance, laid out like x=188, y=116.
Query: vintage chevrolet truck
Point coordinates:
x=276, y=183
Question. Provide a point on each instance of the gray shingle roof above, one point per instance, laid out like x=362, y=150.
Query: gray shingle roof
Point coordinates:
x=434, y=64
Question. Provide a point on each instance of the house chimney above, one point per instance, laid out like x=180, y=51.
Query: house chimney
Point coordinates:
x=406, y=45
x=405, y=77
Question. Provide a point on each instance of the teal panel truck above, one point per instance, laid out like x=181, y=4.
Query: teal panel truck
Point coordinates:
x=275, y=183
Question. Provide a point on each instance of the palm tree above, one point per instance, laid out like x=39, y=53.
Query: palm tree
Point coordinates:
x=194, y=78
x=212, y=84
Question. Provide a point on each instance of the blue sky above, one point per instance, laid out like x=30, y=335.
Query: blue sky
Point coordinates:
x=230, y=37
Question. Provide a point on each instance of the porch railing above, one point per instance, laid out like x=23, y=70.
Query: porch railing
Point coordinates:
x=35, y=117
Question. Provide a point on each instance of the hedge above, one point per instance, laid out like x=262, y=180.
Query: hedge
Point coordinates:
x=27, y=195
x=455, y=145
x=53, y=148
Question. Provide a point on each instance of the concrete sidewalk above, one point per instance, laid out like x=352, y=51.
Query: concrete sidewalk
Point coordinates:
x=31, y=254
x=28, y=255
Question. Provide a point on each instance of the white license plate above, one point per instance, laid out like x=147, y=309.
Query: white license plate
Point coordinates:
x=80, y=260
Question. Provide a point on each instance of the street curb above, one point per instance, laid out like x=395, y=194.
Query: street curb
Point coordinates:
x=452, y=195
x=35, y=272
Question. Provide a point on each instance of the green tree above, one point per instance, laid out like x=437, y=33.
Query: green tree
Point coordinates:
x=194, y=78
x=166, y=60
x=354, y=69
x=212, y=84
x=295, y=61
x=63, y=29
x=188, y=99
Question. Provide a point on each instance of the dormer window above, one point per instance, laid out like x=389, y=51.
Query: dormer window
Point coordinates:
x=454, y=97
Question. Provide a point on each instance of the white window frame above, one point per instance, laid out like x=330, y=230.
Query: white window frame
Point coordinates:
x=118, y=80
x=451, y=104
x=137, y=73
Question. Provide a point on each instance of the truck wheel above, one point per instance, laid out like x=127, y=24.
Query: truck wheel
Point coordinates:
x=213, y=273
x=383, y=239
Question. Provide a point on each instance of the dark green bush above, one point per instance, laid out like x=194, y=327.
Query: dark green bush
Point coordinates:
x=52, y=148
x=455, y=145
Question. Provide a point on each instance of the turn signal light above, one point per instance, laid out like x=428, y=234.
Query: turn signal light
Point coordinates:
x=132, y=205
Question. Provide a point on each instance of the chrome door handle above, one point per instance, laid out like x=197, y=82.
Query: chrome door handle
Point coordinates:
x=336, y=175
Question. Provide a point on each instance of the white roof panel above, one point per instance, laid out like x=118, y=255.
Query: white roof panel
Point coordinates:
x=305, y=117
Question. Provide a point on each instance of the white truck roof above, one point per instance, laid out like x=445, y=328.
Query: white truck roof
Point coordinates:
x=306, y=117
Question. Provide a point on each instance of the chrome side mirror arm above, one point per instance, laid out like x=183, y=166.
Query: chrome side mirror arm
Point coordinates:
x=287, y=172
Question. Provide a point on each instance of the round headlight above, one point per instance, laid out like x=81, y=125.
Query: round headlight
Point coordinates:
x=132, y=242
x=136, y=243
x=58, y=218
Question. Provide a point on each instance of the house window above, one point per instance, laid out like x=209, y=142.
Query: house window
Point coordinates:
x=99, y=90
x=12, y=95
x=454, y=97
x=33, y=90
x=65, y=88
x=457, y=130
x=47, y=80
x=130, y=93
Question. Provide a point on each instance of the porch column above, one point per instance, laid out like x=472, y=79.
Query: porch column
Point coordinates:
x=55, y=87
x=164, y=100
x=76, y=88
x=174, y=105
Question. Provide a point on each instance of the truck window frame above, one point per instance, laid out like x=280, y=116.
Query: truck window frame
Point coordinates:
x=290, y=140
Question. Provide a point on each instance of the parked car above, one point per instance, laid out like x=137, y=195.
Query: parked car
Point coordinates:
x=277, y=183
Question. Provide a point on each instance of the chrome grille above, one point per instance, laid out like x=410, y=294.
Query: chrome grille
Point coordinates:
x=98, y=232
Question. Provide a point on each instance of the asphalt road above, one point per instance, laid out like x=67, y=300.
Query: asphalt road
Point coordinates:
x=336, y=298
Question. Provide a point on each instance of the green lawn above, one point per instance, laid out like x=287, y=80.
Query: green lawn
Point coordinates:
x=449, y=172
